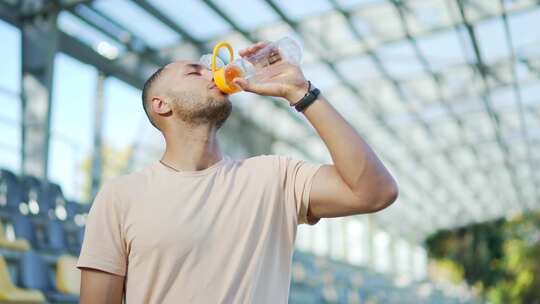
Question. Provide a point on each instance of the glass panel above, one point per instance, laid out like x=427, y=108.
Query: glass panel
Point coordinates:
x=352, y=4
x=441, y=50
x=94, y=38
x=403, y=258
x=259, y=13
x=420, y=263
x=321, y=245
x=71, y=125
x=492, y=40
x=334, y=35
x=381, y=242
x=525, y=41
x=124, y=115
x=350, y=69
x=382, y=21
x=357, y=241
x=138, y=21
x=10, y=75
x=320, y=75
x=400, y=60
x=10, y=102
x=300, y=9
x=189, y=13
x=337, y=231
x=424, y=16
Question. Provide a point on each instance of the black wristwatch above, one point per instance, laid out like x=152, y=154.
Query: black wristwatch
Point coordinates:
x=308, y=99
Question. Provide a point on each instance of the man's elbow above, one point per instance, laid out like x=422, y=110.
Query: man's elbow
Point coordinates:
x=387, y=194
x=392, y=193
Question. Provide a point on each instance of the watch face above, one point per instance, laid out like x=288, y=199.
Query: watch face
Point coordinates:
x=307, y=100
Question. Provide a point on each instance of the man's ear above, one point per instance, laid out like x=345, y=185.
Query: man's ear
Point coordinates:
x=160, y=106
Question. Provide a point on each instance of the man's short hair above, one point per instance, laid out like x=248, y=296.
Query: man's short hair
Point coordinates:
x=145, y=97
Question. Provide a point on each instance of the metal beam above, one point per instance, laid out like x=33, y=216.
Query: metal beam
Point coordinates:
x=433, y=31
x=519, y=102
x=398, y=5
x=39, y=46
x=129, y=72
x=30, y=9
x=97, y=20
x=485, y=96
x=97, y=153
x=229, y=20
x=168, y=22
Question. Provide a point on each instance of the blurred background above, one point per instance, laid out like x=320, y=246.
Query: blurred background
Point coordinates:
x=447, y=92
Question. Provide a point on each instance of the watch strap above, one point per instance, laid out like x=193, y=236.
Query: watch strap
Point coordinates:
x=308, y=99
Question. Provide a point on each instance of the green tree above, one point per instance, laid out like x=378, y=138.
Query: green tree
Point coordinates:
x=501, y=258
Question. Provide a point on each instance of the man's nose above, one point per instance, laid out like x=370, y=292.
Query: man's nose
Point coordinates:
x=208, y=74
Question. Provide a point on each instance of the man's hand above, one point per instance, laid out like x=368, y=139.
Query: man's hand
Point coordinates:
x=280, y=79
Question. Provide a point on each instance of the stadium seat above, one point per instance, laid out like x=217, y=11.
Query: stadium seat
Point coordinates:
x=52, y=201
x=9, y=293
x=31, y=188
x=25, y=229
x=72, y=209
x=10, y=191
x=300, y=294
x=68, y=277
x=335, y=294
x=36, y=274
x=17, y=244
x=56, y=235
x=81, y=235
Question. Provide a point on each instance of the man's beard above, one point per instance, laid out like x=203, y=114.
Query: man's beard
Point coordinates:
x=191, y=109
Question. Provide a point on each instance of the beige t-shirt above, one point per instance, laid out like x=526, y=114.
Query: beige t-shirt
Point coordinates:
x=224, y=234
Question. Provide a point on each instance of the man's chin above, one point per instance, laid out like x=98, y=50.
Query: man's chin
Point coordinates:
x=217, y=92
x=220, y=96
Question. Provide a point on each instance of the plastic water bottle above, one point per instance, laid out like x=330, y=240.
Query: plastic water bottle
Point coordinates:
x=285, y=49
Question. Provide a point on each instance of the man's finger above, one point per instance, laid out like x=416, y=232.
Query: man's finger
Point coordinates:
x=253, y=87
x=253, y=48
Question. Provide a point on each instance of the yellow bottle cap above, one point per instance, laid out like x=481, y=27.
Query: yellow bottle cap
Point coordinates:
x=219, y=74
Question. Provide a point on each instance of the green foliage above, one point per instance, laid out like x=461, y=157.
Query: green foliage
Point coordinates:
x=501, y=258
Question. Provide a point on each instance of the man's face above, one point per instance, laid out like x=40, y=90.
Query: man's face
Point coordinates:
x=192, y=95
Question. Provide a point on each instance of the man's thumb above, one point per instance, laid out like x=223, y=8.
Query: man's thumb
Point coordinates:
x=252, y=87
x=242, y=83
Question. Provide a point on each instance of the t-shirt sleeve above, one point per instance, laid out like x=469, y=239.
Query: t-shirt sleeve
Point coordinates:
x=103, y=245
x=298, y=180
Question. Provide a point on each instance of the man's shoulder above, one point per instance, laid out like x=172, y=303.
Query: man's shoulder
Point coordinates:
x=128, y=181
x=272, y=163
x=262, y=159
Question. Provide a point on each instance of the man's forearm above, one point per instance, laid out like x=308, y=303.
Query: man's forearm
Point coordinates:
x=355, y=161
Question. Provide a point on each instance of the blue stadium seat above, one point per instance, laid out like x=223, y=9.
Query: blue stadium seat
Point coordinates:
x=57, y=238
x=10, y=191
x=31, y=192
x=52, y=201
x=72, y=209
x=81, y=235
x=25, y=229
x=304, y=295
x=37, y=274
x=10, y=293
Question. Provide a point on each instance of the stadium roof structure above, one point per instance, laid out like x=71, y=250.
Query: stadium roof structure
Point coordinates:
x=445, y=91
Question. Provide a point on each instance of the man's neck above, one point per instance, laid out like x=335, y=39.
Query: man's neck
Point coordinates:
x=191, y=149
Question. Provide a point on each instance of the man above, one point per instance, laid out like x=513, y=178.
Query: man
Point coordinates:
x=200, y=227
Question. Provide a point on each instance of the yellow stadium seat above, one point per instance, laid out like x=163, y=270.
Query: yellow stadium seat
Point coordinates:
x=20, y=244
x=68, y=277
x=9, y=293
